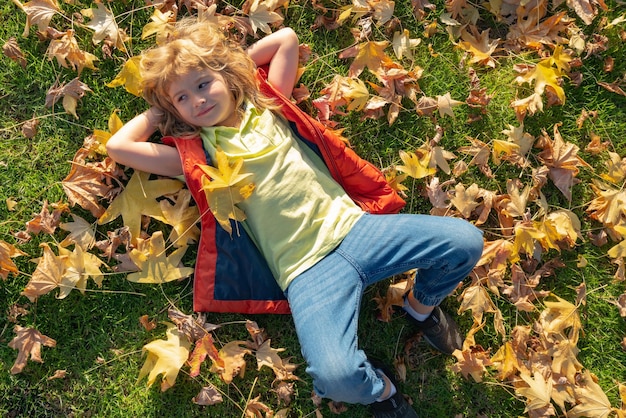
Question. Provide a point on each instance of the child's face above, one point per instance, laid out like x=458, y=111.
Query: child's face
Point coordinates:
x=203, y=99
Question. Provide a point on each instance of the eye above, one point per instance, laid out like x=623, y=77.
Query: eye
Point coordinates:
x=203, y=85
x=181, y=98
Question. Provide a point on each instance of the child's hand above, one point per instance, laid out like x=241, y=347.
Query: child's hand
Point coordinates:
x=280, y=51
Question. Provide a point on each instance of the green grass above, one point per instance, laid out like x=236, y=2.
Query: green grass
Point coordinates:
x=99, y=338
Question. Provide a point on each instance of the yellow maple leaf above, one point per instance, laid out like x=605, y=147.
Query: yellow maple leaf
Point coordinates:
x=619, y=250
x=225, y=186
x=79, y=266
x=527, y=238
x=155, y=265
x=139, y=198
x=560, y=320
x=161, y=26
x=81, y=233
x=416, y=164
x=370, y=54
x=506, y=361
x=183, y=219
x=102, y=137
x=38, y=12
x=476, y=299
x=537, y=393
x=165, y=357
x=129, y=77
x=261, y=16
x=544, y=75
x=609, y=205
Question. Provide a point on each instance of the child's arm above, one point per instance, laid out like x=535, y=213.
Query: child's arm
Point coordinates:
x=280, y=51
x=129, y=147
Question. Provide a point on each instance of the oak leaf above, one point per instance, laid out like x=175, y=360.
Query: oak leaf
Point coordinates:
x=8, y=251
x=165, y=357
x=28, y=342
x=154, y=264
x=139, y=198
x=225, y=187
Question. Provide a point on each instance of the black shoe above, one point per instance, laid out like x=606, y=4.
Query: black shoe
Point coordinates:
x=394, y=407
x=440, y=331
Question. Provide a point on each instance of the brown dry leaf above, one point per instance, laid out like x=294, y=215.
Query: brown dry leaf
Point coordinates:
x=7, y=252
x=165, y=357
x=591, y=399
x=193, y=328
x=479, y=46
x=47, y=275
x=84, y=185
x=45, y=221
x=12, y=50
x=28, y=342
x=563, y=161
x=257, y=409
x=466, y=200
x=30, y=128
x=58, y=374
x=39, y=13
x=68, y=54
x=471, y=361
x=208, y=395
x=154, y=263
x=70, y=92
x=393, y=297
x=480, y=153
x=445, y=104
x=609, y=205
x=232, y=355
x=139, y=198
x=146, y=323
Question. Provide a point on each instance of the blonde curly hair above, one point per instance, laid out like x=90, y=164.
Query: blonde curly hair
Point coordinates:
x=197, y=45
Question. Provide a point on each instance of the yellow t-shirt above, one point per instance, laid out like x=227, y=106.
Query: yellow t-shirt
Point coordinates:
x=297, y=213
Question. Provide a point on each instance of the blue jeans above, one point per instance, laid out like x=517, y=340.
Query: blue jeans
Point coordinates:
x=325, y=300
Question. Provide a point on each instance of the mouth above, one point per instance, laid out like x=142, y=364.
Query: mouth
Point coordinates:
x=204, y=111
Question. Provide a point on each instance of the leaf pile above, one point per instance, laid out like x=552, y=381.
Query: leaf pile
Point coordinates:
x=524, y=233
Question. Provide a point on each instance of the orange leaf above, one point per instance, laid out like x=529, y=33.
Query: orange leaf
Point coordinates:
x=8, y=251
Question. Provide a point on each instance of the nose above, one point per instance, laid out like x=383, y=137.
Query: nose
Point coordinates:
x=199, y=100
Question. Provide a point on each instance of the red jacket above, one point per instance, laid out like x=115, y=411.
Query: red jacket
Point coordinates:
x=230, y=273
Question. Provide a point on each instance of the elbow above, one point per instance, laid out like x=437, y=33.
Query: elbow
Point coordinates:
x=113, y=148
